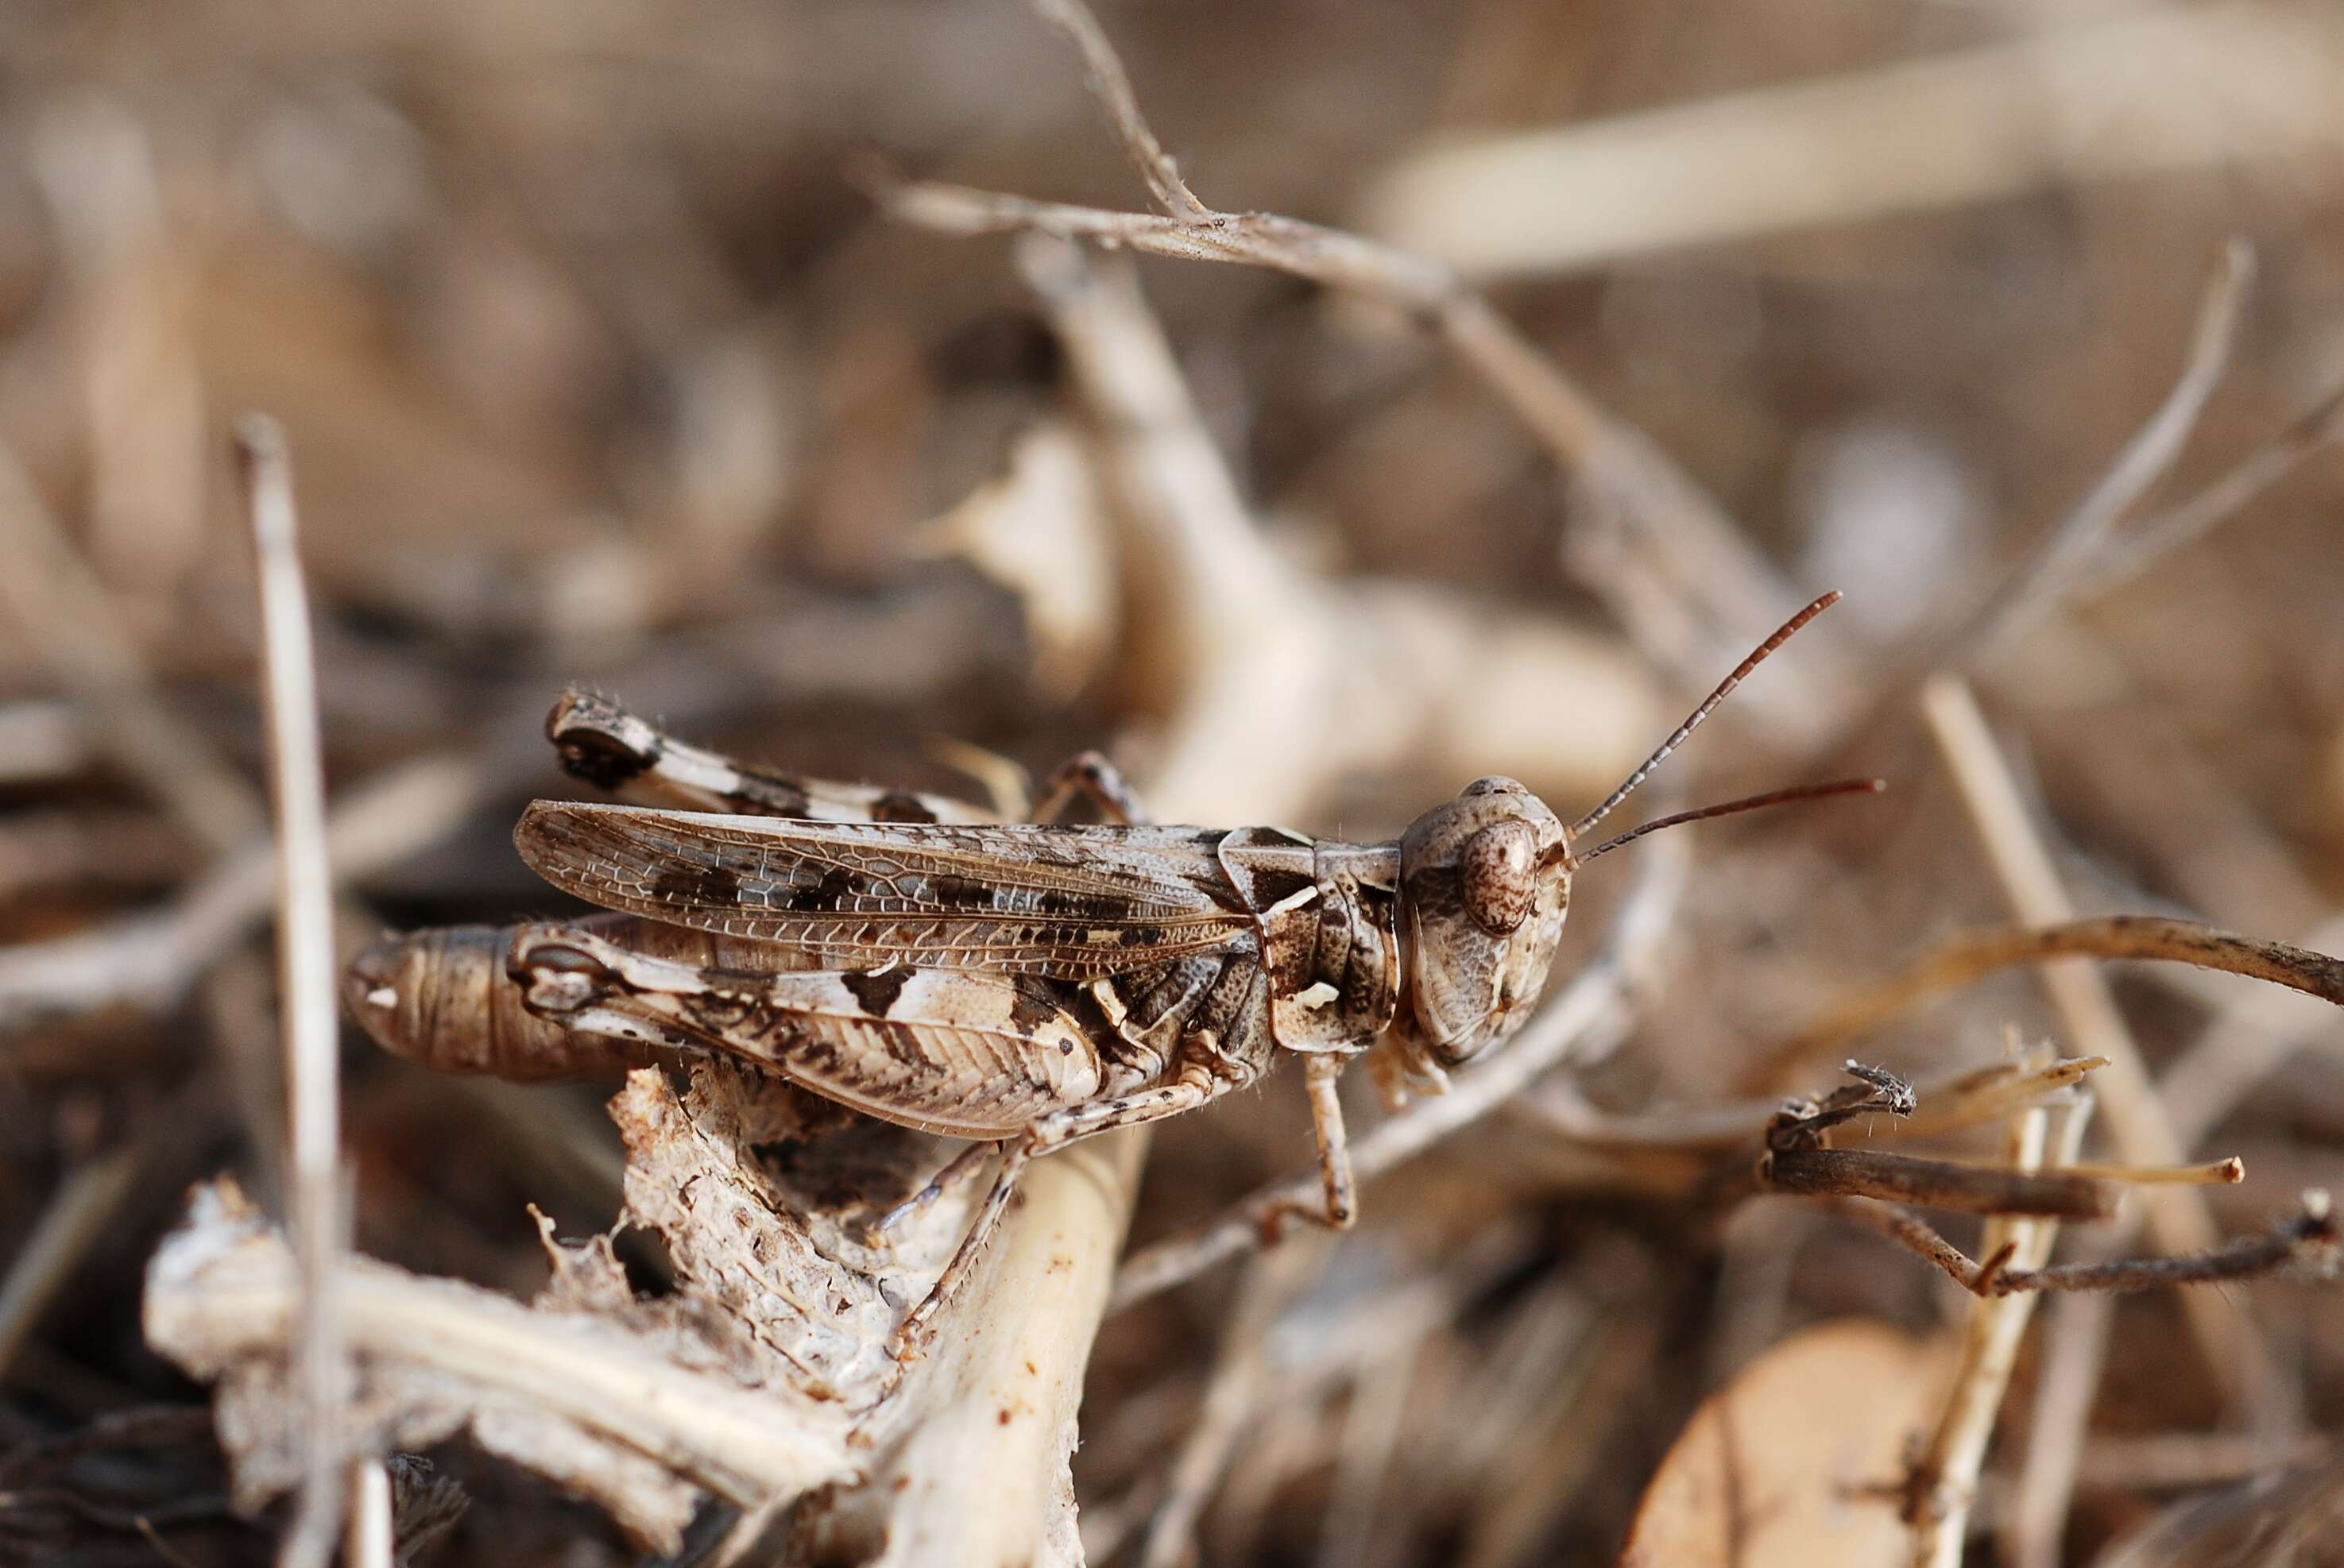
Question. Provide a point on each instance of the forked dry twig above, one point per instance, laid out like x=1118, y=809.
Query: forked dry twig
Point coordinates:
x=2069, y=551
x=2305, y=1242
x=1703, y=557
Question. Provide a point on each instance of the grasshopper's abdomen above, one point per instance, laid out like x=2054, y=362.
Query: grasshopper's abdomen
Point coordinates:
x=442, y=998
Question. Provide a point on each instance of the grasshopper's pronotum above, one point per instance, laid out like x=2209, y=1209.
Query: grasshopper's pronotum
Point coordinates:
x=1022, y=985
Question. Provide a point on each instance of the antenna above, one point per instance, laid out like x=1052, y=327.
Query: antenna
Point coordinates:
x=1709, y=705
x=1751, y=803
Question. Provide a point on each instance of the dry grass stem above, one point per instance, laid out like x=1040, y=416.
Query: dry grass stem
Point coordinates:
x=1942, y=1484
x=2176, y=1217
x=71, y=619
x=149, y=963
x=2048, y=575
x=308, y=989
x=2147, y=93
x=367, y=1543
x=1234, y=1393
x=78, y=1214
x=2213, y=1173
x=2224, y=497
x=2253, y=1036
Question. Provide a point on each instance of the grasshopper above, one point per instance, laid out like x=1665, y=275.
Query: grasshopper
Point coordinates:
x=1021, y=985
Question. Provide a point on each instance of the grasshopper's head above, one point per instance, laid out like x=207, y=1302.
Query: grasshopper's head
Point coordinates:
x=1485, y=883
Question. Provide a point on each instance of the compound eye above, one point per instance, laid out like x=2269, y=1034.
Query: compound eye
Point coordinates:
x=1498, y=876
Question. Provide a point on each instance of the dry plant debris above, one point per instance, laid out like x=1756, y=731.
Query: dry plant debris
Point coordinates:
x=601, y=375
x=1771, y=1467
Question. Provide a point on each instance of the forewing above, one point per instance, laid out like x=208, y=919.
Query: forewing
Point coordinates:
x=1070, y=904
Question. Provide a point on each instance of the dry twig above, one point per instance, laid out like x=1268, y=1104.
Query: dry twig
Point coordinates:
x=2178, y=1218
x=2137, y=92
x=1736, y=595
x=1972, y=956
x=311, y=1018
x=1944, y=1481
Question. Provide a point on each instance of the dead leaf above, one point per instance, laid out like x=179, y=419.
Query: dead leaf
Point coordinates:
x=1768, y=1471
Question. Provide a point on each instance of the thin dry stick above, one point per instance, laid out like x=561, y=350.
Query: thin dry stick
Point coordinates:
x=1972, y=956
x=1232, y=1394
x=70, y=619
x=41, y=740
x=78, y=1213
x=2240, y=1046
x=149, y=960
x=2139, y=90
x=2305, y=1243
x=1352, y=1526
x=2074, y=1354
x=367, y=1542
x=2192, y=520
x=1935, y=1183
x=1944, y=1481
x=2043, y=580
x=2178, y=1217
x=305, y=988
x=1595, y=1009
x=1739, y=595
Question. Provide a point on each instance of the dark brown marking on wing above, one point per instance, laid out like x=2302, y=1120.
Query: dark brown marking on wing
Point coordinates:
x=877, y=990
x=697, y=884
x=899, y=807
x=838, y=887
